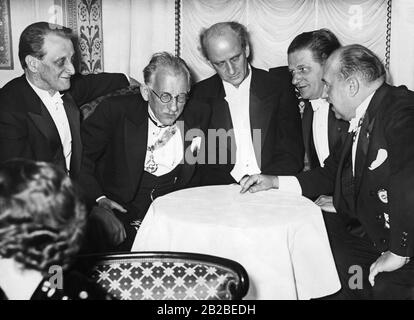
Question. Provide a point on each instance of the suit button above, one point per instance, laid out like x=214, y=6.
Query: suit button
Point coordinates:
x=379, y=217
x=403, y=244
x=383, y=241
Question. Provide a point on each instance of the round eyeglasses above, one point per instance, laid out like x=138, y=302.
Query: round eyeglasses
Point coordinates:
x=166, y=97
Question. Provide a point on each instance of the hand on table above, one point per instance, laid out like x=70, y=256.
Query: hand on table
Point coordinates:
x=258, y=182
x=387, y=262
x=326, y=203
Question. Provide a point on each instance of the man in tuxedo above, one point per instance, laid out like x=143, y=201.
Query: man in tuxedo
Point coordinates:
x=39, y=115
x=258, y=120
x=321, y=130
x=135, y=151
x=371, y=177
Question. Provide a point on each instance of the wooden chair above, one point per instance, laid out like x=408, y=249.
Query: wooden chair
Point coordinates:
x=166, y=276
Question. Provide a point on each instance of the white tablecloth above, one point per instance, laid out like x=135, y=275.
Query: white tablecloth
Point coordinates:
x=279, y=238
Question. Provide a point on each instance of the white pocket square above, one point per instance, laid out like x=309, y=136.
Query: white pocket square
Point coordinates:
x=195, y=144
x=381, y=157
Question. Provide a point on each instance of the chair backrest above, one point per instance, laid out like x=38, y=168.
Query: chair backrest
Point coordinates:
x=166, y=276
x=88, y=108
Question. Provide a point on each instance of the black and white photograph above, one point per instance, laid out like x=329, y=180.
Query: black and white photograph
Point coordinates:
x=236, y=150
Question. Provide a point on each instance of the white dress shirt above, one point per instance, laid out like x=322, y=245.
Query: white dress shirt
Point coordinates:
x=168, y=156
x=355, y=126
x=54, y=106
x=291, y=183
x=238, y=100
x=320, y=128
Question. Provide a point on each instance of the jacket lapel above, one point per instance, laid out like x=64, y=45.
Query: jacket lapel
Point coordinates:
x=44, y=123
x=72, y=112
x=376, y=103
x=307, y=120
x=38, y=113
x=221, y=117
x=187, y=169
x=260, y=107
x=332, y=129
x=344, y=195
x=136, y=137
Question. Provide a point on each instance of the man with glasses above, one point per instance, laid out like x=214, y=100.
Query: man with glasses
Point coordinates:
x=134, y=151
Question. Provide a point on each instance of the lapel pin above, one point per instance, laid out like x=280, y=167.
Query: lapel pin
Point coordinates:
x=386, y=221
x=383, y=195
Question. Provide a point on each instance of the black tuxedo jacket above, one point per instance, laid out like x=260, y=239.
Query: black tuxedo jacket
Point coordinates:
x=272, y=110
x=383, y=188
x=26, y=128
x=115, y=144
x=337, y=132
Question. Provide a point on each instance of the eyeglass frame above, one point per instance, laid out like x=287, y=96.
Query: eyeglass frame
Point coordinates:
x=171, y=96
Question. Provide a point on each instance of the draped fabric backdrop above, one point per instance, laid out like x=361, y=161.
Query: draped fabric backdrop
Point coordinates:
x=273, y=24
x=121, y=35
x=134, y=30
x=84, y=17
x=6, y=52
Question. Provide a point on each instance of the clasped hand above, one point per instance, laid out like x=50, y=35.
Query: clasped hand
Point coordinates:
x=387, y=262
x=113, y=227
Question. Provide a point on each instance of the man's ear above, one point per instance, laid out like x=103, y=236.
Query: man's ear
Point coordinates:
x=353, y=86
x=247, y=50
x=144, y=91
x=32, y=63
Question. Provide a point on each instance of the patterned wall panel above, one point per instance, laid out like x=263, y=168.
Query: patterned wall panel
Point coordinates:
x=85, y=18
x=6, y=54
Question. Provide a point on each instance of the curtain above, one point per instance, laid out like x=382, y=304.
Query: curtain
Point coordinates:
x=133, y=31
x=402, y=44
x=273, y=24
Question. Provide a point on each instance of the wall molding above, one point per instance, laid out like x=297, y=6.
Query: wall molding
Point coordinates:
x=6, y=47
x=84, y=17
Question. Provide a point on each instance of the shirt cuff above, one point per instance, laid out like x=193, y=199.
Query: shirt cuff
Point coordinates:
x=101, y=197
x=290, y=184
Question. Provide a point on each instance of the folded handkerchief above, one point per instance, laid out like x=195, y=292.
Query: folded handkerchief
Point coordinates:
x=381, y=157
x=195, y=144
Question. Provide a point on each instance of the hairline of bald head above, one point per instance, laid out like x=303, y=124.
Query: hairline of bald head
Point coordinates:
x=360, y=62
x=221, y=29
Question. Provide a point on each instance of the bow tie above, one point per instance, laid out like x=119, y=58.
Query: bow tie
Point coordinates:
x=316, y=104
x=156, y=123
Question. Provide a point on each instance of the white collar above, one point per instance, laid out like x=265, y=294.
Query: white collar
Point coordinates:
x=245, y=85
x=154, y=118
x=44, y=94
x=354, y=123
x=318, y=103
